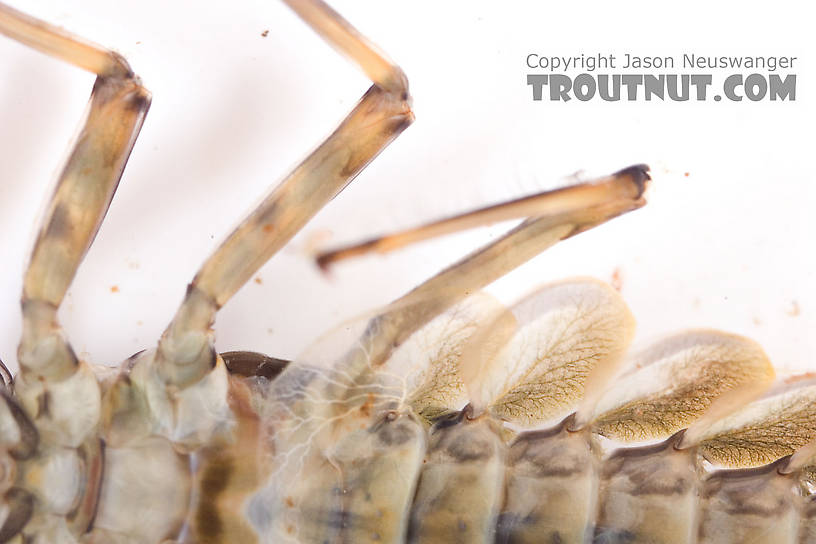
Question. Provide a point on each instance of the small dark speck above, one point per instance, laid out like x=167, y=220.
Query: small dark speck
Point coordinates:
x=212, y=236
x=264, y=34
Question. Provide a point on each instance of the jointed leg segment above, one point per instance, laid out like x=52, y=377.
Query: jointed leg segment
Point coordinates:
x=551, y=217
x=83, y=194
x=55, y=42
x=73, y=217
x=186, y=350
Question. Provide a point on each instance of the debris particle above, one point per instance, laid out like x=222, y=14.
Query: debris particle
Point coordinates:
x=617, y=279
x=258, y=280
x=757, y=321
x=264, y=34
x=794, y=309
x=114, y=289
x=140, y=323
x=686, y=174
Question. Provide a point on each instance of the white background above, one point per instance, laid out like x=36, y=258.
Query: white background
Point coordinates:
x=727, y=246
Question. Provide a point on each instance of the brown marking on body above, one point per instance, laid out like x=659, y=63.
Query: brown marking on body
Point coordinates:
x=230, y=473
x=365, y=409
x=43, y=405
x=214, y=480
x=60, y=225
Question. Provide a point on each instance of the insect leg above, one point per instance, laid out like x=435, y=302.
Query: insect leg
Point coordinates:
x=63, y=45
x=83, y=194
x=558, y=201
x=185, y=351
x=342, y=36
x=491, y=262
x=181, y=390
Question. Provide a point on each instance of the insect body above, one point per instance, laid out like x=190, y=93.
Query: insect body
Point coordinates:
x=442, y=417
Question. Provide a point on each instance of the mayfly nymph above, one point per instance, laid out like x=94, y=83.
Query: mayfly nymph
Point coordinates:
x=442, y=417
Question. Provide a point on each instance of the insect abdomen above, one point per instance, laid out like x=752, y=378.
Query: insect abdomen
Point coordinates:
x=584, y=479
x=550, y=488
x=460, y=487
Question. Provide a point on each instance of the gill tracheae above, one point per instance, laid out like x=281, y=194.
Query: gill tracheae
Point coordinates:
x=444, y=417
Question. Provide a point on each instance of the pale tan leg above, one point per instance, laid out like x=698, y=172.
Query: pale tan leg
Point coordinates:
x=60, y=44
x=84, y=191
x=381, y=70
x=62, y=400
x=557, y=215
x=60, y=395
x=558, y=201
x=186, y=351
x=564, y=213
